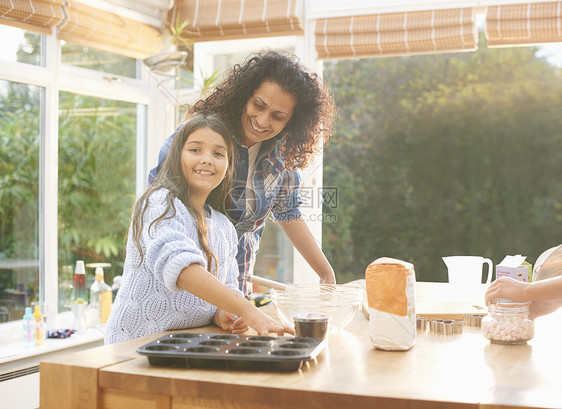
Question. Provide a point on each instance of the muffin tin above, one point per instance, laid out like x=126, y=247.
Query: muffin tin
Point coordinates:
x=230, y=351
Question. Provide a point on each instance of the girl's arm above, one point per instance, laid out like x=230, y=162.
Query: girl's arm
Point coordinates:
x=300, y=235
x=548, y=289
x=545, y=295
x=204, y=285
x=518, y=291
x=539, y=308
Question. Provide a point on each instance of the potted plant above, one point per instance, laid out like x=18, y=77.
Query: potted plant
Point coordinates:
x=165, y=62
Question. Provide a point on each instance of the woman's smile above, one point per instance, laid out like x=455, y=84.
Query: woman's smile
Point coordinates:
x=255, y=128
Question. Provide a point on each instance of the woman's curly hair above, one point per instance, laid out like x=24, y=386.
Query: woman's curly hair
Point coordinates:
x=313, y=116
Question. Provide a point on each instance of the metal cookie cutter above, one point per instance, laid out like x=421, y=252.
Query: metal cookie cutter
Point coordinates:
x=436, y=326
x=458, y=327
x=473, y=320
x=421, y=323
x=446, y=327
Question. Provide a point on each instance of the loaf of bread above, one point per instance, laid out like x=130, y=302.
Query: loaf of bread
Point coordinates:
x=390, y=285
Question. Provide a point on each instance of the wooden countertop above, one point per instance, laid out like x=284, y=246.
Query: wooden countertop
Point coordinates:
x=463, y=370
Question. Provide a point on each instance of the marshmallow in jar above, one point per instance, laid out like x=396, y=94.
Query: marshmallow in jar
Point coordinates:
x=508, y=323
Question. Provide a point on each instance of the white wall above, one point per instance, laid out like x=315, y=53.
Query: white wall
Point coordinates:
x=20, y=393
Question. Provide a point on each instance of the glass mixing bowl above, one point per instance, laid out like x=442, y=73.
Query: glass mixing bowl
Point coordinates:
x=341, y=302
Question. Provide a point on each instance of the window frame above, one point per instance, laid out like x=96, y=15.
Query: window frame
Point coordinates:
x=154, y=122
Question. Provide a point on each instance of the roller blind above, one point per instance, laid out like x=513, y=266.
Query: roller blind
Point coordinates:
x=107, y=31
x=33, y=15
x=521, y=24
x=396, y=34
x=232, y=19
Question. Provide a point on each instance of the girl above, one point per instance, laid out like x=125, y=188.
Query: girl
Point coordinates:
x=180, y=263
x=280, y=114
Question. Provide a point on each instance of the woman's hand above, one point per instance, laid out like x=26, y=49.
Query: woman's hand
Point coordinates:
x=229, y=322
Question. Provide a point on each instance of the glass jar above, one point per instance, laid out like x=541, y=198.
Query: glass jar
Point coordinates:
x=508, y=323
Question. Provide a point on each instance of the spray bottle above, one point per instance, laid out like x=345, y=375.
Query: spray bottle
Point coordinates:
x=28, y=329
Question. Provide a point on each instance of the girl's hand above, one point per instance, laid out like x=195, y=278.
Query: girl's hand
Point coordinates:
x=260, y=322
x=508, y=288
x=229, y=322
x=264, y=325
x=328, y=279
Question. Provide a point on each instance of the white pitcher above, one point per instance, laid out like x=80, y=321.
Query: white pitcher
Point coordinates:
x=467, y=270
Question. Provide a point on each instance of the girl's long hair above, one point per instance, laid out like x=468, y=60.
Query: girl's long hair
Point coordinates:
x=171, y=177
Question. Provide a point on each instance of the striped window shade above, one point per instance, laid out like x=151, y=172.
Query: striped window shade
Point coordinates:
x=384, y=35
x=100, y=29
x=33, y=15
x=211, y=20
x=522, y=24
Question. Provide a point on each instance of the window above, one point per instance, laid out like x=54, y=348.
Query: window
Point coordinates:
x=20, y=46
x=97, y=151
x=186, y=70
x=463, y=154
x=98, y=60
x=73, y=156
x=20, y=115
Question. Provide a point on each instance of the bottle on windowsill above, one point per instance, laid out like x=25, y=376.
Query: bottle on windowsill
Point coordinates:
x=38, y=327
x=100, y=301
x=79, y=283
x=28, y=333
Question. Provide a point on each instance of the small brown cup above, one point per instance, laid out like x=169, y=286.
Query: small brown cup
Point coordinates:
x=311, y=324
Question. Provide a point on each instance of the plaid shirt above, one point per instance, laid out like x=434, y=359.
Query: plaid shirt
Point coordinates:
x=276, y=191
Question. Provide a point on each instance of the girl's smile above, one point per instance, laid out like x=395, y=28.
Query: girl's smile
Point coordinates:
x=203, y=172
x=266, y=113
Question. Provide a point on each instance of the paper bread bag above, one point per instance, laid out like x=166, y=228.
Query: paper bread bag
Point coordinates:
x=391, y=297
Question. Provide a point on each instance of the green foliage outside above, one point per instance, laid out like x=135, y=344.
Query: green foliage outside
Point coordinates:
x=97, y=158
x=19, y=182
x=455, y=154
x=20, y=118
x=98, y=60
x=96, y=179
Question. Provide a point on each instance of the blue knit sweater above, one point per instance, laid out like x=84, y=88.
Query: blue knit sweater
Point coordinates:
x=149, y=301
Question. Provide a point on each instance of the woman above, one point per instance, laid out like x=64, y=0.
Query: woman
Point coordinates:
x=280, y=114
